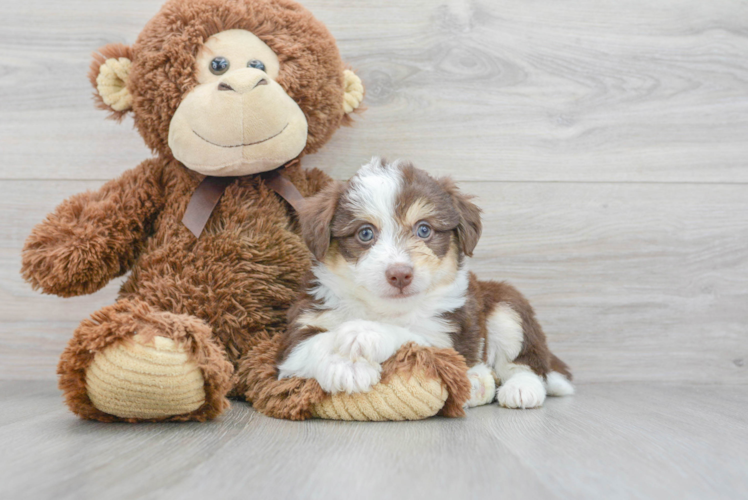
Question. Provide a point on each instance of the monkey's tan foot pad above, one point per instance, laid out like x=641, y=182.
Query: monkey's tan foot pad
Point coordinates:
x=145, y=379
x=401, y=398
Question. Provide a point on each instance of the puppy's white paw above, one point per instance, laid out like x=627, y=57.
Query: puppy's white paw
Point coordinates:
x=343, y=375
x=355, y=340
x=522, y=390
x=483, y=386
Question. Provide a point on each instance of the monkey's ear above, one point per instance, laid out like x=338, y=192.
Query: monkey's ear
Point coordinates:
x=470, y=226
x=315, y=217
x=109, y=74
x=354, y=91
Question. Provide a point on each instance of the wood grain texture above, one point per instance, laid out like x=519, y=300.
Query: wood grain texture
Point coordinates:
x=579, y=90
x=631, y=281
x=610, y=441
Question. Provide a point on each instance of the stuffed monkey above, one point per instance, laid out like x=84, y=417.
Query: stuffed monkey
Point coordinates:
x=229, y=95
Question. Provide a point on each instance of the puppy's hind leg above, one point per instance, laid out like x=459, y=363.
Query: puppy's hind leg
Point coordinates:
x=518, y=351
x=520, y=387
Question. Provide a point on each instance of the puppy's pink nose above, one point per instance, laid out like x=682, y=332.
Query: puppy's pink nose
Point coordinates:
x=399, y=275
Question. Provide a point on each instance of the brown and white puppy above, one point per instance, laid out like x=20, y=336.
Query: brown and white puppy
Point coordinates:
x=391, y=267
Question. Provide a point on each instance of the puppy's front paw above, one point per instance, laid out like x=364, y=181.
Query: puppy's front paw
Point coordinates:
x=523, y=390
x=355, y=340
x=483, y=386
x=343, y=375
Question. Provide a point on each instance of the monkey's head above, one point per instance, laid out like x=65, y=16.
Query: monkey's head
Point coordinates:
x=229, y=87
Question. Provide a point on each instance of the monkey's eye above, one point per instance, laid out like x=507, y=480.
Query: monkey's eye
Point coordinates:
x=256, y=64
x=423, y=231
x=219, y=65
x=365, y=234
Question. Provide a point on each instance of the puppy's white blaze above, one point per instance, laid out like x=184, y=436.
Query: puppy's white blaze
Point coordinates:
x=558, y=385
x=373, y=192
x=522, y=390
x=505, y=337
x=372, y=196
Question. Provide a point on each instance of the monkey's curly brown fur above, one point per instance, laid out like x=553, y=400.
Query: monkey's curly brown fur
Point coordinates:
x=217, y=296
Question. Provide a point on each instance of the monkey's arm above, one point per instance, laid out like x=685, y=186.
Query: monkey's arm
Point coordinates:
x=94, y=236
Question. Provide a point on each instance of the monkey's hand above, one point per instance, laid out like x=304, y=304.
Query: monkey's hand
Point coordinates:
x=94, y=236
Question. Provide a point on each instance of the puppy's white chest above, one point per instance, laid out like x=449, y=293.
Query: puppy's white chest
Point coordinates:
x=434, y=331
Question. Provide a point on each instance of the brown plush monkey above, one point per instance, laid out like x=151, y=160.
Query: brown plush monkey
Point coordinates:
x=223, y=92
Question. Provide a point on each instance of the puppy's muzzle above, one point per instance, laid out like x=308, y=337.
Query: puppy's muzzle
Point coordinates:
x=399, y=275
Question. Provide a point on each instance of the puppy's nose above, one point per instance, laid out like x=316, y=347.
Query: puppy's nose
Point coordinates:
x=243, y=81
x=399, y=275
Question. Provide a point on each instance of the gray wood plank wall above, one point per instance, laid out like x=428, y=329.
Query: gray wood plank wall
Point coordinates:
x=607, y=143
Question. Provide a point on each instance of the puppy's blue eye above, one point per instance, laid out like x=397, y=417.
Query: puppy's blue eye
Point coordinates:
x=365, y=234
x=219, y=65
x=256, y=64
x=423, y=231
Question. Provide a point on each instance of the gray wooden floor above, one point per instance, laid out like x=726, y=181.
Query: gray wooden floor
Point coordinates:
x=612, y=440
x=607, y=142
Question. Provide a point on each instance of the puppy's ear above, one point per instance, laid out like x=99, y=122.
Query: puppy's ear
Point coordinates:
x=315, y=217
x=470, y=227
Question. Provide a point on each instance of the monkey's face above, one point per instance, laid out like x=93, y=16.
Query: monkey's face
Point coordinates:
x=229, y=87
x=238, y=120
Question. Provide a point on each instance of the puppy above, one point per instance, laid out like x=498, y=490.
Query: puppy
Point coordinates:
x=391, y=248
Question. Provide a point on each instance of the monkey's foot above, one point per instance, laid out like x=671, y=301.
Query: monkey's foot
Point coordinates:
x=133, y=363
x=145, y=379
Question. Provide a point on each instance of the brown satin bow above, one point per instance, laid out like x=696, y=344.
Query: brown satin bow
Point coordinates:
x=208, y=193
